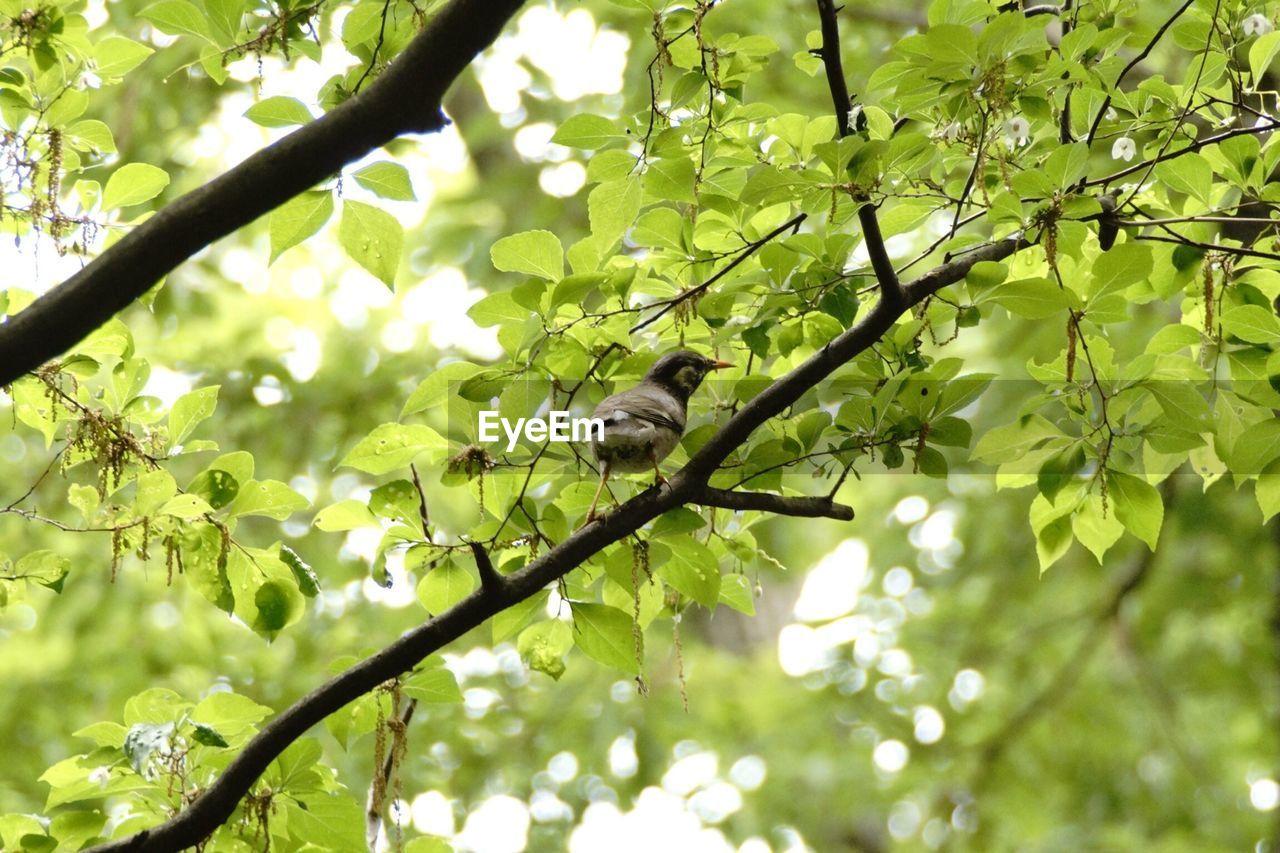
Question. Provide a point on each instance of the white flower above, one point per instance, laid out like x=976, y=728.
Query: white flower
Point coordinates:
x=1257, y=25
x=950, y=133
x=100, y=776
x=1017, y=131
x=1124, y=149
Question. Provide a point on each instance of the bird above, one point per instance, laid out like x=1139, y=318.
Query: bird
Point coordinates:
x=643, y=424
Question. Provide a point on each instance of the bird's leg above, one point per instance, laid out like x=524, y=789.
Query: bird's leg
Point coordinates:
x=604, y=478
x=658, y=480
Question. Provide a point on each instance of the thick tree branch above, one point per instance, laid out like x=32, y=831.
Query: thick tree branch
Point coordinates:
x=830, y=53
x=797, y=507
x=213, y=807
x=489, y=577
x=405, y=99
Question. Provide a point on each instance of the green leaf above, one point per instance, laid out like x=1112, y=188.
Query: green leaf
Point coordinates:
x=588, y=131
x=1013, y=441
x=391, y=446
x=1033, y=298
x=345, y=515
x=189, y=410
x=670, y=179
x=515, y=617
x=1188, y=173
x=1256, y=448
x=1137, y=505
x=444, y=586
x=605, y=634
x=216, y=486
x=737, y=592
x=1261, y=54
x=226, y=15
x=398, y=501
x=232, y=714
x=92, y=135
x=612, y=208
x=498, y=309
x=693, y=571
x=536, y=253
x=133, y=184
x=1096, y=530
x=373, y=238
x=297, y=219
x=986, y=274
x=44, y=567
x=1059, y=470
x=1119, y=267
x=1051, y=522
x=207, y=735
x=177, y=17
x=1252, y=323
x=278, y=606
x=1067, y=163
x=543, y=646
x=185, y=506
x=116, y=56
x=1267, y=490
x=662, y=228
x=435, y=390
x=435, y=685
x=386, y=180
x=271, y=498
x=279, y=111
x=153, y=489
x=331, y=821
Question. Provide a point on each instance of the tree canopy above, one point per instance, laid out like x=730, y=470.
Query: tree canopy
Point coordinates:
x=972, y=547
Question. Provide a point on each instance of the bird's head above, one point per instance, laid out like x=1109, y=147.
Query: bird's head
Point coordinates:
x=682, y=371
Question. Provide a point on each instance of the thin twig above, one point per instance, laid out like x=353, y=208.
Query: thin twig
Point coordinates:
x=1146, y=51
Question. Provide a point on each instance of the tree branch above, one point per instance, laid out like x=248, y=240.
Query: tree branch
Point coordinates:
x=1174, y=155
x=792, y=225
x=1137, y=60
x=405, y=99
x=830, y=52
x=797, y=507
x=490, y=580
x=213, y=807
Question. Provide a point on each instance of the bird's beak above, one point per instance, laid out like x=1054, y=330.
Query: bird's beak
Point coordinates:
x=720, y=365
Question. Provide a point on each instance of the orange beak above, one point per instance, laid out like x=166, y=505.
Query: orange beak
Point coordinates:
x=721, y=365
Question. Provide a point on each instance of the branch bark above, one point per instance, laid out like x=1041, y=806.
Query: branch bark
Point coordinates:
x=796, y=507
x=830, y=52
x=689, y=485
x=405, y=99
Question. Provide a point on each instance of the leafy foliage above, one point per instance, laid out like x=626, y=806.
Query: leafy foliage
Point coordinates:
x=1133, y=335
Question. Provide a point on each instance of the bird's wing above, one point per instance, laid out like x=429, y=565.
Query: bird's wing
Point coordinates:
x=644, y=403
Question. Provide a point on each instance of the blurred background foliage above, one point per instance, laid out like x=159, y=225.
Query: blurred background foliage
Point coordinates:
x=910, y=680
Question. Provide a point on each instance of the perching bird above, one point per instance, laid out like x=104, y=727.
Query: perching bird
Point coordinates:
x=643, y=425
